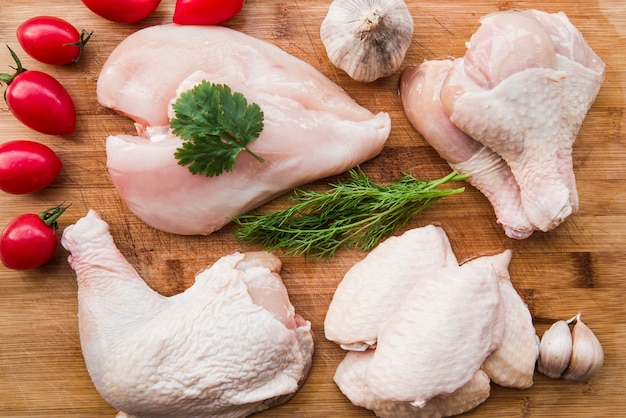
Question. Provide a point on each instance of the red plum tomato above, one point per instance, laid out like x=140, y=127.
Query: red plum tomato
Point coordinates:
x=39, y=101
x=27, y=166
x=122, y=11
x=205, y=12
x=51, y=40
x=30, y=240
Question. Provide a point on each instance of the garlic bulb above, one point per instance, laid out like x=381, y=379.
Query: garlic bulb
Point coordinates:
x=367, y=39
x=587, y=353
x=555, y=350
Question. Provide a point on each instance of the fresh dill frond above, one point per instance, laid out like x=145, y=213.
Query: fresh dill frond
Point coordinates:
x=357, y=214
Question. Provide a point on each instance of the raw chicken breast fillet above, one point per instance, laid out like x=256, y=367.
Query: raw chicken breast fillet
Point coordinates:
x=228, y=346
x=312, y=128
x=521, y=91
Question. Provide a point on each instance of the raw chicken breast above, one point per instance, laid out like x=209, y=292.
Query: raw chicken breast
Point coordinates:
x=373, y=288
x=523, y=90
x=312, y=128
x=441, y=333
x=228, y=346
x=420, y=91
x=350, y=378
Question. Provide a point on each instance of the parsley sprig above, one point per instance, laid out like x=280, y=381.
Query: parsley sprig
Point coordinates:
x=216, y=125
x=358, y=213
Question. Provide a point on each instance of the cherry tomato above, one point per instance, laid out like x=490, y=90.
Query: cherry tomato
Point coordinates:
x=30, y=240
x=39, y=101
x=122, y=11
x=27, y=166
x=205, y=12
x=51, y=40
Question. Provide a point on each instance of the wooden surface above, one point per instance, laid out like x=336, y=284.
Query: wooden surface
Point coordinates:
x=578, y=267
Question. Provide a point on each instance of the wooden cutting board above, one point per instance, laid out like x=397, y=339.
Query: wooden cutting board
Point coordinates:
x=576, y=268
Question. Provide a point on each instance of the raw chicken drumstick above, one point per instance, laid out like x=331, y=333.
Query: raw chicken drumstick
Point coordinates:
x=522, y=91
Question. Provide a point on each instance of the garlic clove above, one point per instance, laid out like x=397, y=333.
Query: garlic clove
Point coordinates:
x=587, y=353
x=367, y=39
x=555, y=350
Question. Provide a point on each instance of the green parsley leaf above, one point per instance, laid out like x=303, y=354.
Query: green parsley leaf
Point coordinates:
x=215, y=125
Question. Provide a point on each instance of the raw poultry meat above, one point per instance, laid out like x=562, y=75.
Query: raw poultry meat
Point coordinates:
x=312, y=128
x=351, y=373
x=522, y=90
x=512, y=364
x=228, y=346
x=421, y=89
x=441, y=333
x=425, y=335
x=372, y=289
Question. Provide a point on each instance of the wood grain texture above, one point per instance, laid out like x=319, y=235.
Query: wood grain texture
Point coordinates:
x=578, y=267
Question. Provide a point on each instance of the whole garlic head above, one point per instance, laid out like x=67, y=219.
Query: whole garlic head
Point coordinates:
x=367, y=39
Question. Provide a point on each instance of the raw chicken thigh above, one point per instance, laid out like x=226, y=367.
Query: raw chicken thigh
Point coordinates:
x=372, y=289
x=522, y=91
x=419, y=354
x=228, y=346
x=351, y=373
x=424, y=335
x=312, y=128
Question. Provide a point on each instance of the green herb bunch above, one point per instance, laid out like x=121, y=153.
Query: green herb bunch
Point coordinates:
x=216, y=125
x=358, y=213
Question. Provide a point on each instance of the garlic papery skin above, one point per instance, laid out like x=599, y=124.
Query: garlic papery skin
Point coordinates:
x=587, y=353
x=367, y=39
x=555, y=350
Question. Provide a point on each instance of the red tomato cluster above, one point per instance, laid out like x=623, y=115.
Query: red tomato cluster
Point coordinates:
x=186, y=12
x=40, y=102
x=36, y=98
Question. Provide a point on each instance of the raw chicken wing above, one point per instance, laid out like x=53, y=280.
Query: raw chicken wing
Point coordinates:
x=228, y=346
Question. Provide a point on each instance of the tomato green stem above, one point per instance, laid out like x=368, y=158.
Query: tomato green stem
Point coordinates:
x=7, y=78
x=50, y=216
x=84, y=38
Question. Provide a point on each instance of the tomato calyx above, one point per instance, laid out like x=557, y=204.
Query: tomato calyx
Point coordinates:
x=8, y=78
x=50, y=216
x=84, y=38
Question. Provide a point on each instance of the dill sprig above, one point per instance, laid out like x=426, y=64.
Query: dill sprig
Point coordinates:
x=356, y=214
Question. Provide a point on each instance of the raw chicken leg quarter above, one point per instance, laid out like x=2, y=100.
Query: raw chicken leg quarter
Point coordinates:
x=228, y=346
